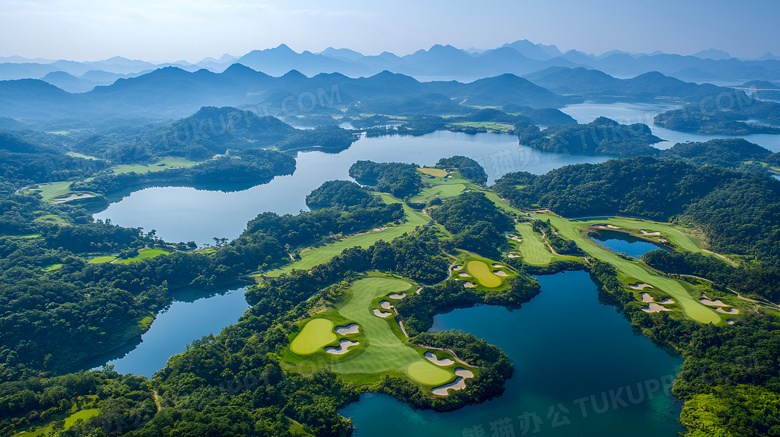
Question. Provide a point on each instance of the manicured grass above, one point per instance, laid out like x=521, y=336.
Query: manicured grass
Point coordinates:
x=635, y=269
x=428, y=373
x=482, y=273
x=533, y=248
x=69, y=421
x=503, y=127
x=52, y=267
x=162, y=164
x=437, y=172
x=142, y=255
x=323, y=254
x=101, y=259
x=54, y=189
x=314, y=336
x=443, y=191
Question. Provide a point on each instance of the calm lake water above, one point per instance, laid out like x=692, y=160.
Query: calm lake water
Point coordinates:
x=188, y=214
x=192, y=315
x=570, y=353
x=624, y=243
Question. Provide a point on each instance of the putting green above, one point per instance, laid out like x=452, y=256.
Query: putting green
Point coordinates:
x=314, y=336
x=428, y=374
x=483, y=274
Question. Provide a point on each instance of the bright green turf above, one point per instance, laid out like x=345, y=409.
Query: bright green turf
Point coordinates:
x=436, y=172
x=315, y=335
x=482, y=273
x=441, y=191
x=428, y=373
x=69, y=421
x=386, y=352
x=162, y=164
x=634, y=269
x=322, y=254
x=143, y=254
x=101, y=259
x=52, y=267
x=51, y=190
x=533, y=249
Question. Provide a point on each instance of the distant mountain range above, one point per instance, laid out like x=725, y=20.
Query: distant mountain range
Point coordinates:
x=437, y=63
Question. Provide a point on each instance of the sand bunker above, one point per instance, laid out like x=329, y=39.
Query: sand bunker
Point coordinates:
x=456, y=268
x=639, y=286
x=518, y=239
x=497, y=265
x=468, y=285
x=385, y=304
x=654, y=308
x=464, y=373
x=500, y=273
x=439, y=362
x=666, y=301
x=730, y=322
x=463, y=275
x=418, y=290
x=396, y=296
x=731, y=311
x=352, y=328
x=646, y=298
x=713, y=303
x=381, y=314
x=613, y=227
x=644, y=232
x=343, y=348
x=512, y=255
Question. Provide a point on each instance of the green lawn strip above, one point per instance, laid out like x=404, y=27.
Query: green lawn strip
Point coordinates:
x=386, y=351
x=635, y=269
x=69, y=422
x=142, y=255
x=52, y=267
x=163, y=164
x=54, y=189
x=101, y=259
x=533, y=248
x=442, y=191
x=503, y=127
x=83, y=156
x=322, y=254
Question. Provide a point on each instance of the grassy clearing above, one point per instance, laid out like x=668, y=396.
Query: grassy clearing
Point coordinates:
x=69, y=422
x=101, y=260
x=443, y=191
x=533, y=248
x=482, y=273
x=435, y=172
x=51, y=218
x=634, y=269
x=315, y=335
x=323, y=254
x=51, y=190
x=142, y=255
x=163, y=164
x=502, y=127
x=52, y=267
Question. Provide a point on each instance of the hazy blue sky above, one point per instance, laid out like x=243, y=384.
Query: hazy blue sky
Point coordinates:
x=193, y=29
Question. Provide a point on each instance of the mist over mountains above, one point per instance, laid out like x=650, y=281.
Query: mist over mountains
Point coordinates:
x=440, y=62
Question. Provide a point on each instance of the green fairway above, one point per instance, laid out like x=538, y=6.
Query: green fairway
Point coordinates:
x=634, y=269
x=54, y=189
x=162, y=164
x=428, y=373
x=443, y=191
x=533, y=248
x=142, y=255
x=323, y=254
x=101, y=259
x=482, y=273
x=69, y=422
x=436, y=172
x=315, y=335
x=502, y=127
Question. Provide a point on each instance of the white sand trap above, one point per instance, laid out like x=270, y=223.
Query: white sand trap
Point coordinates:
x=639, y=286
x=468, y=285
x=666, y=301
x=644, y=232
x=381, y=314
x=731, y=311
x=396, y=296
x=730, y=322
x=385, y=304
x=463, y=275
x=457, y=268
x=439, y=362
x=512, y=255
x=443, y=390
x=613, y=227
x=516, y=238
x=713, y=303
x=654, y=308
x=343, y=348
x=418, y=290
x=646, y=298
x=500, y=273
x=497, y=265
x=352, y=328
x=464, y=373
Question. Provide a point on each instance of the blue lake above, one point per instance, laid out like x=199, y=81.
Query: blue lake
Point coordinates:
x=622, y=242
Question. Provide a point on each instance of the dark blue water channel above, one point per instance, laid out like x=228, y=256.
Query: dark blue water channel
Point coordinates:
x=580, y=370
